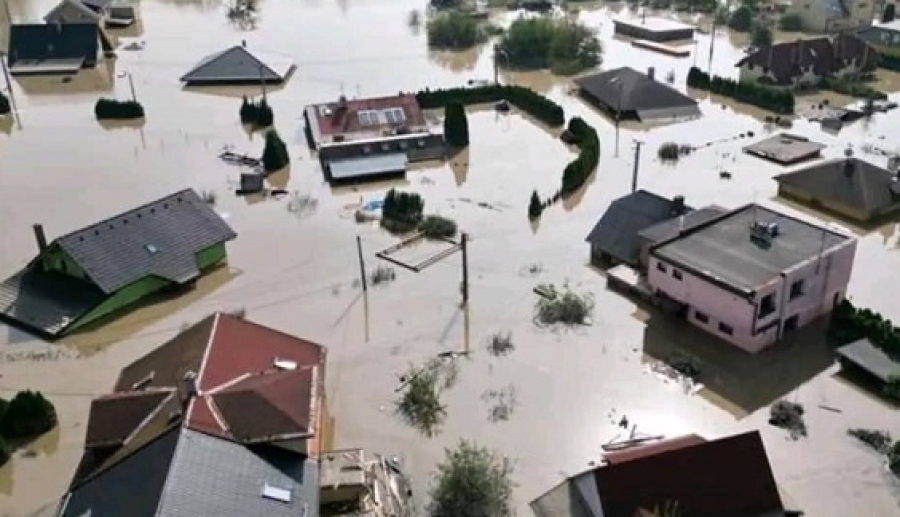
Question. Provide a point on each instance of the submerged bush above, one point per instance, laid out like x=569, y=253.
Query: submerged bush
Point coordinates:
x=788, y=415
x=668, y=152
x=535, y=207
x=563, y=307
x=453, y=30
x=28, y=414
x=473, y=482
x=275, y=154
x=112, y=109
x=437, y=227
x=401, y=211
x=420, y=405
x=257, y=115
x=874, y=438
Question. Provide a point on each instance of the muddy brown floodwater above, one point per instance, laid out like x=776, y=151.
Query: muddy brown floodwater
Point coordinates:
x=563, y=390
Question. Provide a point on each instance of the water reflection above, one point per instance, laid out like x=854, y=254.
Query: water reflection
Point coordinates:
x=6, y=123
x=249, y=90
x=459, y=164
x=91, y=80
x=463, y=61
x=201, y=5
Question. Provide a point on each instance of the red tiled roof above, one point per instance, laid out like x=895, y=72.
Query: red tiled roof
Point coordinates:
x=113, y=418
x=730, y=476
x=652, y=449
x=345, y=118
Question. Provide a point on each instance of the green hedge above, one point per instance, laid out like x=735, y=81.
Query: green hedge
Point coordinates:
x=853, y=89
x=766, y=97
x=849, y=323
x=579, y=169
x=525, y=99
x=111, y=109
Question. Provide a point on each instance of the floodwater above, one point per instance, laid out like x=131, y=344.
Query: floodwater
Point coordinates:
x=298, y=272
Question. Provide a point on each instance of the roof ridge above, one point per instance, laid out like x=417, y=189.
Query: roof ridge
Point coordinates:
x=126, y=212
x=255, y=57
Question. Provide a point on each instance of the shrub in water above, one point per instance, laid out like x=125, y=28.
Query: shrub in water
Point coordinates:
x=28, y=414
x=275, y=154
x=437, y=227
x=111, y=109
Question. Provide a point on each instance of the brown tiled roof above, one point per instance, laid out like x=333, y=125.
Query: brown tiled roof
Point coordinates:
x=344, y=118
x=726, y=477
x=113, y=418
x=824, y=55
x=269, y=406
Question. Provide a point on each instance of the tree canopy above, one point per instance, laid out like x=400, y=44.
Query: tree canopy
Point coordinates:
x=472, y=481
x=564, y=46
x=741, y=19
x=275, y=154
x=453, y=30
x=27, y=414
x=761, y=35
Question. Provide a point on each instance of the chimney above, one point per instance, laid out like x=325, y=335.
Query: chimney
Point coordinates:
x=848, y=162
x=40, y=237
x=190, y=386
x=677, y=205
x=244, y=43
x=651, y=73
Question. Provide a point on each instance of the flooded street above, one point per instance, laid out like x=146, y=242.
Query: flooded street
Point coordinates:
x=298, y=272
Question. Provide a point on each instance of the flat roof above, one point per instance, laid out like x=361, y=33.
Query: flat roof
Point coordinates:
x=785, y=148
x=867, y=356
x=724, y=251
x=654, y=24
x=350, y=168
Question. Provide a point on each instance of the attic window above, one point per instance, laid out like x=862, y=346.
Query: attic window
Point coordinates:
x=179, y=199
x=368, y=118
x=151, y=249
x=96, y=232
x=111, y=227
x=276, y=494
x=81, y=238
x=165, y=205
x=284, y=364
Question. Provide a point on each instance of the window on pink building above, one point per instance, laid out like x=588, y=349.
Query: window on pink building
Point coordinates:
x=726, y=329
x=676, y=274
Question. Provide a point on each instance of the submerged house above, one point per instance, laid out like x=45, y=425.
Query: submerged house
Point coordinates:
x=99, y=270
x=830, y=16
x=370, y=138
x=687, y=475
x=58, y=48
x=752, y=275
x=77, y=11
x=239, y=65
x=849, y=187
x=223, y=420
x=624, y=93
x=804, y=63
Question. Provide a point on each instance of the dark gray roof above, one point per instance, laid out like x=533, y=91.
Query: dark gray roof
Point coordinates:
x=50, y=41
x=626, y=89
x=673, y=226
x=238, y=64
x=616, y=233
x=185, y=473
x=46, y=302
x=869, y=357
x=723, y=251
x=849, y=181
x=160, y=238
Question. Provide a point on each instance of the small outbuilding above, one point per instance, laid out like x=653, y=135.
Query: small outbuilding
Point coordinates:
x=625, y=93
x=62, y=48
x=862, y=356
x=653, y=29
x=239, y=65
x=785, y=149
x=849, y=187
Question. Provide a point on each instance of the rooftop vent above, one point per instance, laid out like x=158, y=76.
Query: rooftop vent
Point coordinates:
x=284, y=364
x=276, y=494
x=764, y=231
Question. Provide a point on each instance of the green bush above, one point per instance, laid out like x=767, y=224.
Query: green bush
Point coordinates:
x=473, y=482
x=773, y=99
x=535, y=207
x=668, y=152
x=564, y=46
x=851, y=88
x=28, y=414
x=4, y=104
x=741, y=20
x=258, y=115
x=401, y=211
x=437, y=227
x=456, y=125
x=580, y=169
x=525, y=99
x=275, y=154
x=111, y=109
x=453, y=30
x=790, y=22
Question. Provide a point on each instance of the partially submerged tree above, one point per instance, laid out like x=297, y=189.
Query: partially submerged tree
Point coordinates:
x=275, y=154
x=564, y=46
x=257, y=115
x=741, y=19
x=28, y=414
x=472, y=482
x=453, y=30
x=112, y=109
x=420, y=405
x=401, y=211
x=456, y=125
x=761, y=35
x=535, y=207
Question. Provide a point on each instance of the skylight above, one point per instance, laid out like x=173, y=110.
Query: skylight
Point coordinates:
x=394, y=115
x=276, y=494
x=151, y=249
x=284, y=364
x=368, y=118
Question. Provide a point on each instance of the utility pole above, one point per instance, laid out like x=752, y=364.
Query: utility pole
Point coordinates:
x=618, y=113
x=262, y=82
x=131, y=85
x=712, y=45
x=362, y=265
x=465, y=272
x=12, y=95
x=637, y=164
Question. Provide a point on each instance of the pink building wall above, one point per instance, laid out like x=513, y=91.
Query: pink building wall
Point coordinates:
x=824, y=282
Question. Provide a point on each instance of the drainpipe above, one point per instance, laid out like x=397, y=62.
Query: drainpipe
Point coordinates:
x=781, y=304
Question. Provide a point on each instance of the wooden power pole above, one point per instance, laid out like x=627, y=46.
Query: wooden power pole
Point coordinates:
x=637, y=164
x=362, y=265
x=465, y=269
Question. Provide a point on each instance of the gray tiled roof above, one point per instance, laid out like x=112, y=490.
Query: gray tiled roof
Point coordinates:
x=160, y=238
x=869, y=357
x=849, y=181
x=185, y=473
x=238, y=64
x=616, y=233
x=671, y=227
x=46, y=303
x=626, y=89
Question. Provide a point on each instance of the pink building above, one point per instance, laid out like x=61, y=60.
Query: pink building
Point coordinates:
x=751, y=275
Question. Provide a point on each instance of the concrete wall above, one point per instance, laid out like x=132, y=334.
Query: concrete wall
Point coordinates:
x=818, y=16
x=710, y=306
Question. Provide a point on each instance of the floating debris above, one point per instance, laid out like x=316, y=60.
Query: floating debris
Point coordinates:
x=502, y=403
x=302, y=204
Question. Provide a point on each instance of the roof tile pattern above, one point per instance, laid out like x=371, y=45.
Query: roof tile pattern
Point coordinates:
x=824, y=55
x=114, y=417
x=160, y=239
